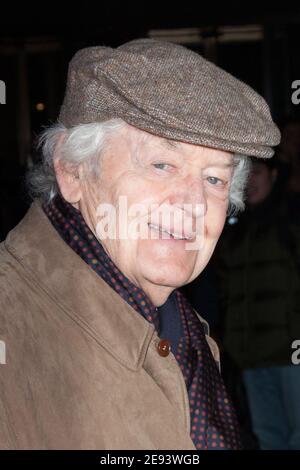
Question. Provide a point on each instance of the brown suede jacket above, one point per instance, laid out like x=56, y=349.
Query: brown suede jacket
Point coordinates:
x=82, y=367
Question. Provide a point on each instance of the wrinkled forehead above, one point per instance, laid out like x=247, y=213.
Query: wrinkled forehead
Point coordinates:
x=147, y=143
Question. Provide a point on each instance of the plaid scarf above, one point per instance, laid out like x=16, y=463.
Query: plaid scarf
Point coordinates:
x=213, y=421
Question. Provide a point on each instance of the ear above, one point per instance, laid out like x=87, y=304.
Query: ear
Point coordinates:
x=67, y=178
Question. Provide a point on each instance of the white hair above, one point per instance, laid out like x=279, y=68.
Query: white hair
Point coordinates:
x=241, y=171
x=82, y=143
x=86, y=143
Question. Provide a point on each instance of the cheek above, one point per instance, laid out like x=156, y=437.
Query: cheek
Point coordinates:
x=139, y=193
x=215, y=220
x=90, y=201
x=213, y=226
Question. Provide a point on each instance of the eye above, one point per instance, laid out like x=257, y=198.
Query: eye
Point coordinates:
x=215, y=181
x=162, y=166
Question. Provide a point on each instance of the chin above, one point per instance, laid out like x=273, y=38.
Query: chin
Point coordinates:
x=164, y=266
x=167, y=275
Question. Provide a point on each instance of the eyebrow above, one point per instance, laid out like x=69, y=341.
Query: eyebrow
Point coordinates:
x=170, y=143
x=174, y=144
x=223, y=165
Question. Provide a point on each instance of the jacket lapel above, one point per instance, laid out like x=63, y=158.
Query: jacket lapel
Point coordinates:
x=80, y=292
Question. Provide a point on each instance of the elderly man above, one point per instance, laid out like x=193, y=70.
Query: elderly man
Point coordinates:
x=102, y=351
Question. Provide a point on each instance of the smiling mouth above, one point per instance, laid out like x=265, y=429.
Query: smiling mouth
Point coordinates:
x=170, y=234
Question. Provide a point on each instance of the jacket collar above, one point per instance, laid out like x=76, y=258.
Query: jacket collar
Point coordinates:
x=80, y=293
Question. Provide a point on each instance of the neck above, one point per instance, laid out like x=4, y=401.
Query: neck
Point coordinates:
x=158, y=295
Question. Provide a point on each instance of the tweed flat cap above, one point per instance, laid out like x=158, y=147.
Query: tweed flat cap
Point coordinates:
x=170, y=91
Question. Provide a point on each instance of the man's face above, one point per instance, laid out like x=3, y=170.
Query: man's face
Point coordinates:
x=156, y=173
x=260, y=183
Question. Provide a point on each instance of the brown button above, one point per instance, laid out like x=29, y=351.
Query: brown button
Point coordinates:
x=164, y=347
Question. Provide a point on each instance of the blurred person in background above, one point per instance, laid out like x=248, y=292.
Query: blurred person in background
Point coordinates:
x=289, y=157
x=259, y=278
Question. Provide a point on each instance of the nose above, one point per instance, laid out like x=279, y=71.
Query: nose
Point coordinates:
x=190, y=196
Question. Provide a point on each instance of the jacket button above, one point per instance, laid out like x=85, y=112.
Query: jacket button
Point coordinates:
x=164, y=347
